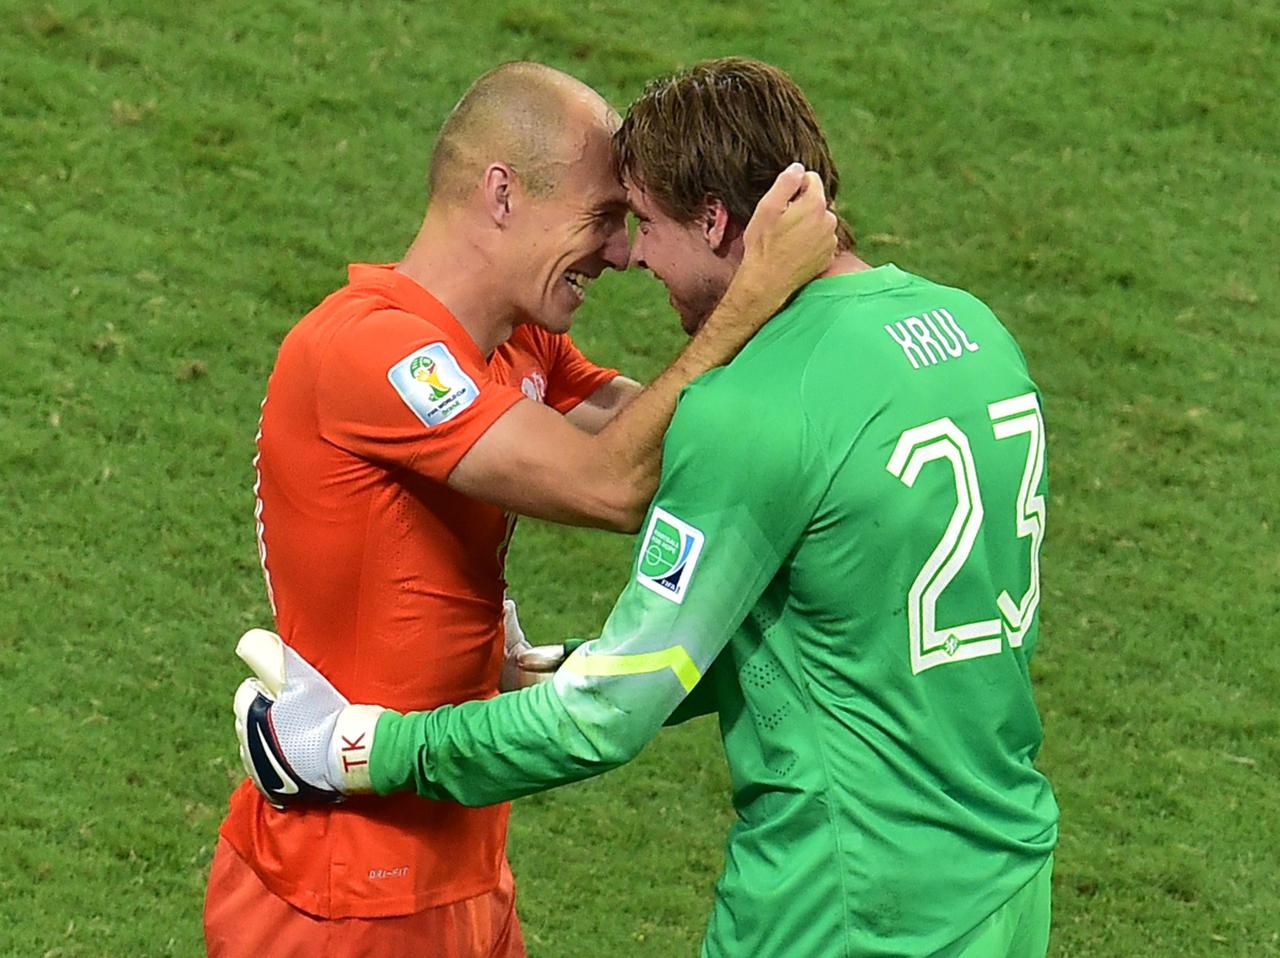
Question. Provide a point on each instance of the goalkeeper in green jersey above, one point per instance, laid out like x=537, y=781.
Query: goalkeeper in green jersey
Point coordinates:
x=842, y=561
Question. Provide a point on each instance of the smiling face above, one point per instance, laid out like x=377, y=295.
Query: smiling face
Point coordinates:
x=698, y=150
x=696, y=260
x=561, y=241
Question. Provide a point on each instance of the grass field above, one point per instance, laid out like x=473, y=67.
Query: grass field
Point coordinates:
x=179, y=184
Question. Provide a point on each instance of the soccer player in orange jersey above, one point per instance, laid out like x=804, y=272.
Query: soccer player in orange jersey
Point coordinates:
x=408, y=418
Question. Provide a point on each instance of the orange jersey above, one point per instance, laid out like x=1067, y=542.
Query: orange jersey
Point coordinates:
x=386, y=579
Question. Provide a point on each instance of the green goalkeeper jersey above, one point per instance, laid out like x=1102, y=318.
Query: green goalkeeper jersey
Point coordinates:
x=842, y=561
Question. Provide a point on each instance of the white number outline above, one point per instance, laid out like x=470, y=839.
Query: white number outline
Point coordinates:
x=930, y=646
x=1012, y=417
x=943, y=439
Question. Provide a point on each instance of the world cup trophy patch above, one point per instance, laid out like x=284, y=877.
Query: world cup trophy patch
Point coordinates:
x=432, y=384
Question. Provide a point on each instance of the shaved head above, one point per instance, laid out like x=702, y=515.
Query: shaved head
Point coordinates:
x=525, y=208
x=528, y=116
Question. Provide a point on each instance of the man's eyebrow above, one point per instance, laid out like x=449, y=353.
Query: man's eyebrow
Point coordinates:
x=612, y=207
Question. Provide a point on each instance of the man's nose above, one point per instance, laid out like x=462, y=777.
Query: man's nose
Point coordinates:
x=636, y=258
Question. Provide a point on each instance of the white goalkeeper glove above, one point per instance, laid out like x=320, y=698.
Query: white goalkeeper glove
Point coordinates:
x=301, y=741
x=514, y=643
x=524, y=664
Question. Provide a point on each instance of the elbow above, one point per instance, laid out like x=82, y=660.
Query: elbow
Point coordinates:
x=618, y=493
x=622, y=507
x=612, y=746
x=631, y=526
x=606, y=738
x=634, y=497
x=630, y=516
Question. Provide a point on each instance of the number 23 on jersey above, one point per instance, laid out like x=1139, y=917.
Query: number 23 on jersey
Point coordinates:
x=933, y=644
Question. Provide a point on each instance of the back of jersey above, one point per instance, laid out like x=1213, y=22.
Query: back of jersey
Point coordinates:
x=910, y=601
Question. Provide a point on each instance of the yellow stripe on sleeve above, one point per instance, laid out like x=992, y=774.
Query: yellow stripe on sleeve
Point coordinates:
x=675, y=658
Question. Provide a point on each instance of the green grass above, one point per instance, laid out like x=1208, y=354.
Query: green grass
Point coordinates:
x=179, y=183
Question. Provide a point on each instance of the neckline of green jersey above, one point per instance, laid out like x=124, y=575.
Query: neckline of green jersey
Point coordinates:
x=874, y=280
x=862, y=283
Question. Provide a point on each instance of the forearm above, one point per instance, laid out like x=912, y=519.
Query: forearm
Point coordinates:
x=602, y=406
x=629, y=447
x=479, y=753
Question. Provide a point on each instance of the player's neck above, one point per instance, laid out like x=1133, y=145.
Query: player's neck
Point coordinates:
x=444, y=262
x=844, y=262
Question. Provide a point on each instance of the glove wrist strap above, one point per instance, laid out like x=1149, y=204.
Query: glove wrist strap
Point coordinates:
x=350, y=747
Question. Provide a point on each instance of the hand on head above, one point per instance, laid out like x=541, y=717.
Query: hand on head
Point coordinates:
x=792, y=234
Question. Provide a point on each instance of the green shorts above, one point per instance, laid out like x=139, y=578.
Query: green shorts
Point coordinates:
x=1017, y=929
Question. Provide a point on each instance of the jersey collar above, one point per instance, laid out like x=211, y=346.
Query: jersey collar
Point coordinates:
x=867, y=281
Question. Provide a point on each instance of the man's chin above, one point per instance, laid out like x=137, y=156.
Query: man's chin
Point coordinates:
x=553, y=321
x=544, y=323
x=692, y=318
x=692, y=322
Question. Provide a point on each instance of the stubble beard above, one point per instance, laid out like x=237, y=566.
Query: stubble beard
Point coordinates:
x=693, y=316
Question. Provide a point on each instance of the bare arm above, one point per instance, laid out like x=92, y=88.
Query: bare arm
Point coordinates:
x=597, y=410
x=534, y=462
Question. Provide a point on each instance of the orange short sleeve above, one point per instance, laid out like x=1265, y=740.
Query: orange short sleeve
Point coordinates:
x=395, y=389
x=572, y=376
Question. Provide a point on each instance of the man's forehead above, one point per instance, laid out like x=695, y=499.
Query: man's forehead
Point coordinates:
x=589, y=182
x=637, y=199
x=608, y=194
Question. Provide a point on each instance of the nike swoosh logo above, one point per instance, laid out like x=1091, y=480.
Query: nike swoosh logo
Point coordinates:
x=287, y=786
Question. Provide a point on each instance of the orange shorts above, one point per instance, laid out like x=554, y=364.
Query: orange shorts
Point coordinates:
x=242, y=919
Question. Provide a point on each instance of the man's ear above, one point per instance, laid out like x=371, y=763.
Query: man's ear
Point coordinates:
x=715, y=224
x=498, y=188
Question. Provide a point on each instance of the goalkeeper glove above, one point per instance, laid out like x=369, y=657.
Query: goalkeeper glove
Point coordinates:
x=514, y=645
x=524, y=664
x=301, y=741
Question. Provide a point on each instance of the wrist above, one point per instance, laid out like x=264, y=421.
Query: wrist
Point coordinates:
x=350, y=746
